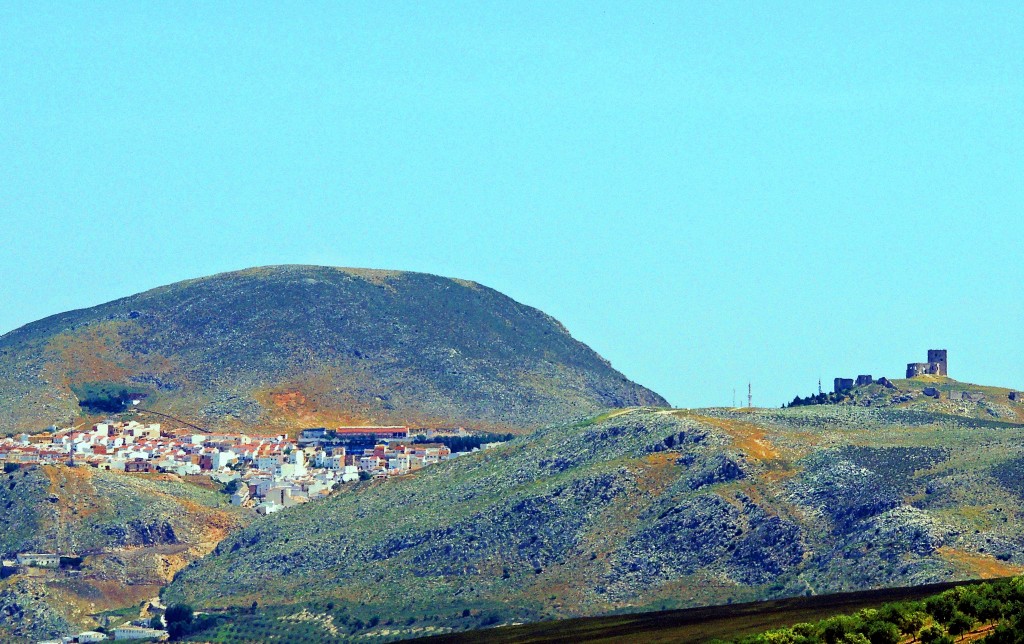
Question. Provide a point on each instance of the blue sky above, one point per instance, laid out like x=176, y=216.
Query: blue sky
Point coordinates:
x=706, y=193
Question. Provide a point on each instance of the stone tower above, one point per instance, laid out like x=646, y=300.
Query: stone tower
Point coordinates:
x=937, y=361
x=936, y=365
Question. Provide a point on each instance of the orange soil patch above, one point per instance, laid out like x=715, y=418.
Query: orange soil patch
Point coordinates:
x=746, y=437
x=751, y=441
x=655, y=472
x=312, y=401
x=292, y=402
x=114, y=594
x=216, y=524
x=203, y=482
x=978, y=565
x=781, y=474
x=752, y=491
x=76, y=496
x=88, y=354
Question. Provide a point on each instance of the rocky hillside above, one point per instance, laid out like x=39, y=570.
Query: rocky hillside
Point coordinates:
x=299, y=346
x=638, y=509
x=132, y=533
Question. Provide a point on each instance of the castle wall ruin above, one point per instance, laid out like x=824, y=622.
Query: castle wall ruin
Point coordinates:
x=936, y=366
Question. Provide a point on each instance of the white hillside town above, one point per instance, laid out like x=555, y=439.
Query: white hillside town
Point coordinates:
x=267, y=473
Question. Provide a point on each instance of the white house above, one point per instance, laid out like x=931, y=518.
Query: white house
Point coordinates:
x=223, y=459
x=316, y=488
x=139, y=430
x=294, y=468
x=280, y=495
x=187, y=469
x=262, y=485
x=269, y=463
x=399, y=463
x=369, y=463
x=330, y=462
x=321, y=459
x=136, y=633
x=116, y=464
x=39, y=560
x=268, y=507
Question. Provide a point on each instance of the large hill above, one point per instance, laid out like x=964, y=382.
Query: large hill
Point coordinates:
x=291, y=346
x=639, y=509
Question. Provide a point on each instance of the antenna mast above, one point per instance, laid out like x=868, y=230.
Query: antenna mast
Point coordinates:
x=819, y=386
x=750, y=396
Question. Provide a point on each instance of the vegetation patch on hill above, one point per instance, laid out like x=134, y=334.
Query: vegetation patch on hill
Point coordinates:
x=991, y=612
x=700, y=625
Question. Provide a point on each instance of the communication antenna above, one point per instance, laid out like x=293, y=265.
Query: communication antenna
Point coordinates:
x=819, y=386
x=734, y=397
x=750, y=396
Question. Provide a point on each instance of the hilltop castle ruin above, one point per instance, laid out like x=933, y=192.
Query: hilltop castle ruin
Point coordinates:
x=936, y=365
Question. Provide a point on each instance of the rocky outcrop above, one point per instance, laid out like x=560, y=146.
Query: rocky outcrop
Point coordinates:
x=26, y=612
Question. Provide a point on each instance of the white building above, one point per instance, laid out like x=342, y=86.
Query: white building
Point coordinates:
x=187, y=469
x=319, y=457
x=294, y=467
x=262, y=485
x=223, y=459
x=39, y=560
x=369, y=463
x=316, y=488
x=268, y=507
x=399, y=463
x=269, y=463
x=335, y=462
x=139, y=430
x=136, y=633
x=281, y=495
